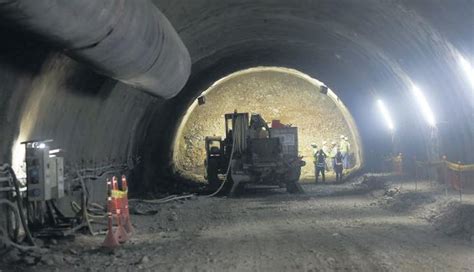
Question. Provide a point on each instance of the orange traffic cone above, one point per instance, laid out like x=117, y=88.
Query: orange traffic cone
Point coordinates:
x=126, y=212
x=110, y=239
x=121, y=233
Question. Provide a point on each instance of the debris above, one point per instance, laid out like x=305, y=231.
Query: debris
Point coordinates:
x=392, y=192
x=405, y=202
x=13, y=256
x=172, y=216
x=29, y=260
x=144, y=260
x=456, y=220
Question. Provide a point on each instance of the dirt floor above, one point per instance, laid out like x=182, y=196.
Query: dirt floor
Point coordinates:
x=373, y=224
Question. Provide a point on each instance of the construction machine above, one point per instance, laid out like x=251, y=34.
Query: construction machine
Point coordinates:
x=253, y=153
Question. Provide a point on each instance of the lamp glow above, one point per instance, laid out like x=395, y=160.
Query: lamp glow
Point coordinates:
x=385, y=114
x=468, y=69
x=424, y=106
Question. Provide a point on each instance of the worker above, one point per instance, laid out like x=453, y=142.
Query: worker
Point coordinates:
x=314, y=146
x=344, y=147
x=332, y=154
x=320, y=164
x=338, y=168
x=327, y=151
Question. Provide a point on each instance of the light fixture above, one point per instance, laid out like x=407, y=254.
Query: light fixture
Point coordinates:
x=468, y=69
x=424, y=106
x=386, y=115
x=41, y=145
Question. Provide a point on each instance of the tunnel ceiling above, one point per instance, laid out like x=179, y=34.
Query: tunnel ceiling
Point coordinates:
x=356, y=47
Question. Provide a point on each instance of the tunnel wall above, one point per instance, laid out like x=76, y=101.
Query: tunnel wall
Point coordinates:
x=46, y=95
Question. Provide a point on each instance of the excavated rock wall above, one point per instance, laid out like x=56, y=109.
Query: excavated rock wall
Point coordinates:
x=273, y=94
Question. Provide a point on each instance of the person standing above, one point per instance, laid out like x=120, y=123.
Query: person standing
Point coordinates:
x=344, y=148
x=320, y=163
x=315, y=150
x=327, y=151
x=338, y=168
x=332, y=153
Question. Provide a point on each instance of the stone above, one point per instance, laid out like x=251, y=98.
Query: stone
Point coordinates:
x=173, y=217
x=69, y=260
x=29, y=260
x=13, y=256
x=144, y=260
x=48, y=261
x=57, y=259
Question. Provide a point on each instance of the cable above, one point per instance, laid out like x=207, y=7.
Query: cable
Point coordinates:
x=6, y=241
x=162, y=200
x=19, y=199
x=85, y=216
x=15, y=210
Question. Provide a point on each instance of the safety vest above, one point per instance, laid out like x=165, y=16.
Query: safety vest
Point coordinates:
x=344, y=146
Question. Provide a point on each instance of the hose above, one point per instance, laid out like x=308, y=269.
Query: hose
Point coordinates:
x=19, y=199
x=85, y=216
x=238, y=141
x=162, y=200
x=15, y=210
x=6, y=241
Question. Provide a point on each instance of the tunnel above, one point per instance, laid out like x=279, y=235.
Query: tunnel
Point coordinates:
x=134, y=87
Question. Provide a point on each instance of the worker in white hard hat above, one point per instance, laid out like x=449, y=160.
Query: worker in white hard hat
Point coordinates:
x=315, y=156
x=315, y=147
x=327, y=151
x=332, y=154
x=344, y=147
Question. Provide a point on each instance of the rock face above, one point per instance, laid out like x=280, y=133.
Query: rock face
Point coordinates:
x=276, y=95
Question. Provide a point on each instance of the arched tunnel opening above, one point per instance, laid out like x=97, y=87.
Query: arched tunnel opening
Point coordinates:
x=276, y=93
x=93, y=91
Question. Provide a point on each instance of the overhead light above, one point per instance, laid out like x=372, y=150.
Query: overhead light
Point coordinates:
x=323, y=89
x=468, y=69
x=424, y=106
x=41, y=145
x=386, y=115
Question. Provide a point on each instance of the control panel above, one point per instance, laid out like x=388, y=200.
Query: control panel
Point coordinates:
x=38, y=172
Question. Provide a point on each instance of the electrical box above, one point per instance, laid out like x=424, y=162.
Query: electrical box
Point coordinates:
x=57, y=177
x=38, y=172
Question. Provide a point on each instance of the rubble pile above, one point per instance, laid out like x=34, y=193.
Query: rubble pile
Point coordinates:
x=457, y=220
x=399, y=202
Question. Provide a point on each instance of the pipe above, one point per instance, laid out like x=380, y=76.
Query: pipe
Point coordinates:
x=131, y=41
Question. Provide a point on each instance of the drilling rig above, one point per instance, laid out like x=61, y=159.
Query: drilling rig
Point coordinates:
x=253, y=153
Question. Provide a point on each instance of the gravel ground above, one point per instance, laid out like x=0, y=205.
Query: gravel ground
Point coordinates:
x=348, y=227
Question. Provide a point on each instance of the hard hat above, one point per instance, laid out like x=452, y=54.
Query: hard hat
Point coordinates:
x=314, y=145
x=342, y=136
x=345, y=138
x=333, y=142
